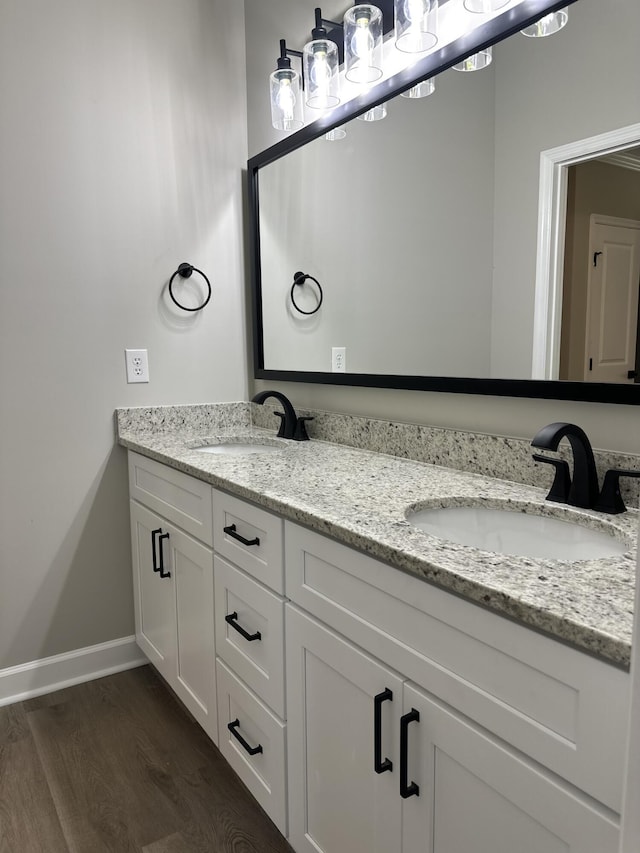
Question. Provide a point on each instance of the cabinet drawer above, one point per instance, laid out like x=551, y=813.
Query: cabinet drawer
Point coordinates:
x=174, y=495
x=244, y=607
x=247, y=726
x=250, y=537
x=561, y=707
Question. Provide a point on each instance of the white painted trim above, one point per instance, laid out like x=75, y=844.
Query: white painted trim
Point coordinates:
x=54, y=673
x=623, y=161
x=552, y=213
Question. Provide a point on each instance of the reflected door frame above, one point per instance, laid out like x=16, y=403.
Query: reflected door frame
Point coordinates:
x=552, y=214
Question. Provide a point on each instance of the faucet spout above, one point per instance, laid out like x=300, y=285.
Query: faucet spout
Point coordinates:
x=583, y=491
x=291, y=426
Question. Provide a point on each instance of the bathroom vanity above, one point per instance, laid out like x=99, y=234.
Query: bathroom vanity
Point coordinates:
x=375, y=687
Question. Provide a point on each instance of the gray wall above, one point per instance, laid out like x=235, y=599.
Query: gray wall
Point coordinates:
x=611, y=427
x=123, y=128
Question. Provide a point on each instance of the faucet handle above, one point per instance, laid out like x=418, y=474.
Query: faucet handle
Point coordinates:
x=281, y=430
x=610, y=499
x=301, y=429
x=559, y=491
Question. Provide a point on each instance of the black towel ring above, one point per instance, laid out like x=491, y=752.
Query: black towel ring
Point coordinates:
x=300, y=278
x=184, y=271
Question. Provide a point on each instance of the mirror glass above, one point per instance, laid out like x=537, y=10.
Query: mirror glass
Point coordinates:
x=423, y=229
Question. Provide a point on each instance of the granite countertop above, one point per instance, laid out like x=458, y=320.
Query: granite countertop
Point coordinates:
x=361, y=498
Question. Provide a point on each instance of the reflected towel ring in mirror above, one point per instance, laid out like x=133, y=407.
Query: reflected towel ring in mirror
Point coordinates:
x=300, y=278
x=184, y=271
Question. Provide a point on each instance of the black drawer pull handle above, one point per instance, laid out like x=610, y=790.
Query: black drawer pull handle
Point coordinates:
x=380, y=764
x=163, y=574
x=154, y=558
x=232, y=618
x=231, y=530
x=252, y=750
x=406, y=789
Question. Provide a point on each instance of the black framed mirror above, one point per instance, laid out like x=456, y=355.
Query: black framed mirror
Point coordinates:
x=287, y=179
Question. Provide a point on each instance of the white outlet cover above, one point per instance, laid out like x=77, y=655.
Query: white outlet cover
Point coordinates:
x=137, y=361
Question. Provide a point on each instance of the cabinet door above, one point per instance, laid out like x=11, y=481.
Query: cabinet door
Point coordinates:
x=173, y=590
x=337, y=800
x=475, y=795
x=191, y=567
x=154, y=597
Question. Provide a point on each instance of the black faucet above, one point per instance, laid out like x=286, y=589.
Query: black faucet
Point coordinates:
x=583, y=486
x=291, y=426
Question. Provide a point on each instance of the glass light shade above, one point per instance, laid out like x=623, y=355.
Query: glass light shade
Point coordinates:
x=336, y=134
x=547, y=25
x=416, y=23
x=363, y=44
x=476, y=62
x=421, y=90
x=375, y=113
x=286, y=100
x=484, y=7
x=320, y=61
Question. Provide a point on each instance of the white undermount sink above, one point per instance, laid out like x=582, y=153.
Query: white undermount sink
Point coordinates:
x=521, y=534
x=240, y=445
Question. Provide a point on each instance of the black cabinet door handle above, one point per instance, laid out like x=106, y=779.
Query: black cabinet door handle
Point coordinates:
x=163, y=574
x=231, y=530
x=232, y=619
x=407, y=789
x=380, y=764
x=233, y=728
x=154, y=558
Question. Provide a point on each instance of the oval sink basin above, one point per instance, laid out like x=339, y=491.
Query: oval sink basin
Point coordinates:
x=516, y=533
x=238, y=448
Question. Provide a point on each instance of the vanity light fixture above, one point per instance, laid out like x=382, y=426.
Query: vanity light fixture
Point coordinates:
x=476, y=62
x=421, y=90
x=363, y=43
x=547, y=25
x=342, y=62
x=286, y=95
x=320, y=68
x=416, y=24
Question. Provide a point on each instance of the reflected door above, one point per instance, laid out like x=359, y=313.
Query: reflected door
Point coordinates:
x=612, y=318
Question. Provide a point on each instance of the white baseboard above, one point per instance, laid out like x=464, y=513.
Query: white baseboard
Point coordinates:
x=59, y=671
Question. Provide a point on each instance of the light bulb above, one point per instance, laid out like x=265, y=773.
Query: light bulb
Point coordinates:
x=320, y=72
x=286, y=100
x=547, y=25
x=415, y=10
x=362, y=40
x=476, y=62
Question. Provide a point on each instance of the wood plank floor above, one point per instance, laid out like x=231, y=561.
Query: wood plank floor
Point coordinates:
x=118, y=765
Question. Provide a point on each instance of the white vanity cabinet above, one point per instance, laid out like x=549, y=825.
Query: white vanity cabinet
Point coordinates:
x=368, y=711
x=489, y=737
x=173, y=581
x=249, y=619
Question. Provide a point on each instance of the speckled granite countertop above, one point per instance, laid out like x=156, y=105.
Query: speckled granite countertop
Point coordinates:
x=361, y=498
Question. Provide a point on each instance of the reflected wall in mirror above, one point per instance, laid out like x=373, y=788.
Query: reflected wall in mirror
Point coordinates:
x=424, y=229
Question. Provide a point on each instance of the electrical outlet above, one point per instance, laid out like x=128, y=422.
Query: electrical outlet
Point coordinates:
x=338, y=359
x=137, y=365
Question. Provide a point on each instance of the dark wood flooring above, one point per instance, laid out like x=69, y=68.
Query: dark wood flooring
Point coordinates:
x=118, y=765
